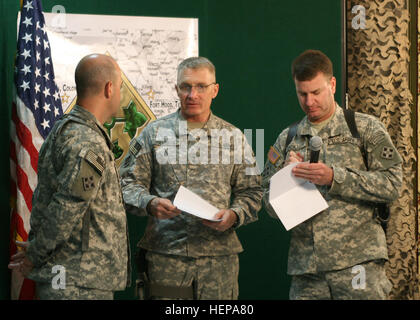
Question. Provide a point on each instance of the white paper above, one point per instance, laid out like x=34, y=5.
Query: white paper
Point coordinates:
x=294, y=200
x=187, y=201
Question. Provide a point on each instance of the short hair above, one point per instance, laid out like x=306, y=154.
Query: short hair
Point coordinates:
x=309, y=63
x=196, y=63
x=91, y=77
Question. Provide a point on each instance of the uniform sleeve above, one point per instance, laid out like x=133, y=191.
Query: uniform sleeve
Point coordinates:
x=383, y=180
x=78, y=182
x=275, y=161
x=246, y=188
x=136, y=175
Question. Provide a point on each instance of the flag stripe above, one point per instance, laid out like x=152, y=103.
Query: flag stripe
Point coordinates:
x=24, y=214
x=23, y=187
x=24, y=159
x=25, y=137
x=27, y=118
x=21, y=195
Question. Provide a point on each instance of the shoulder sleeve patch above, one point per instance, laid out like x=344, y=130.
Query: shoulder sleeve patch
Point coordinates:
x=95, y=161
x=387, y=153
x=273, y=155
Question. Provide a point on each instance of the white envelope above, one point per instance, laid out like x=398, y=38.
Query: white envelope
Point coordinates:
x=187, y=201
x=293, y=199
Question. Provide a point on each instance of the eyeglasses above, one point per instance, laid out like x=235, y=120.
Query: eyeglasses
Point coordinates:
x=186, y=88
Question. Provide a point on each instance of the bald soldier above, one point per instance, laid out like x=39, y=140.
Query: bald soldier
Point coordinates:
x=78, y=222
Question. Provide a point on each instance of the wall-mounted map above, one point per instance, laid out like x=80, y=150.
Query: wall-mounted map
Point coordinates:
x=148, y=51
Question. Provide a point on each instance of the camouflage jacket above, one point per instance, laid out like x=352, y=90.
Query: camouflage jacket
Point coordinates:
x=78, y=218
x=145, y=175
x=346, y=233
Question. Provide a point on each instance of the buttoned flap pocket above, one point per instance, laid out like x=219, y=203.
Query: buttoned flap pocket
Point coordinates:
x=226, y=153
x=168, y=168
x=296, y=147
x=222, y=161
x=166, y=152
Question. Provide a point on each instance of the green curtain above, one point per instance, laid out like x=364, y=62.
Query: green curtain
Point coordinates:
x=252, y=44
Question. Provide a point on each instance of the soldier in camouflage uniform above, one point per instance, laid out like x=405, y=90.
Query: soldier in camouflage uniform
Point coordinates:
x=340, y=252
x=188, y=257
x=78, y=219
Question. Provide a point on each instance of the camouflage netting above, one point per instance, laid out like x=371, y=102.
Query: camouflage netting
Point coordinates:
x=378, y=84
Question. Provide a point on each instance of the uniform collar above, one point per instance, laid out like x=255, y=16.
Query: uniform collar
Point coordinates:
x=336, y=126
x=91, y=121
x=181, y=123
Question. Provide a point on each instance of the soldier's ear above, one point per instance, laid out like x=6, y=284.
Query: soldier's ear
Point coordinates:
x=215, y=90
x=108, y=89
x=177, y=91
x=333, y=83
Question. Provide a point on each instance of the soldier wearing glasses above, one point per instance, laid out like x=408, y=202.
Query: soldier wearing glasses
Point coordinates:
x=185, y=257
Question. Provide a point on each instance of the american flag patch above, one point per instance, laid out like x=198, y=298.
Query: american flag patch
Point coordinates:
x=135, y=147
x=95, y=161
x=273, y=155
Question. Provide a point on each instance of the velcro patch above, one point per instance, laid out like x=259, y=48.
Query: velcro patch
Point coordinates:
x=387, y=153
x=273, y=155
x=135, y=147
x=377, y=138
x=95, y=161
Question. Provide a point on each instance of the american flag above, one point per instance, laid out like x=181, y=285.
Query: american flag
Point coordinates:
x=36, y=107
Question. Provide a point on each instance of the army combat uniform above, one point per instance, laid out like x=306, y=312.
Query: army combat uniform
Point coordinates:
x=181, y=250
x=78, y=219
x=346, y=234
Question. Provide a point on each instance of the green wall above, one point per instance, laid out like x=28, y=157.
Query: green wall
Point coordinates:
x=252, y=44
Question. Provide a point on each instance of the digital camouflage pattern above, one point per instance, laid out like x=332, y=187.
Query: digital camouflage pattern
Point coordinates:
x=343, y=284
x=78, y=218
x=216, y=278
x=224, y=185
x=346, y=233
x=44, y=291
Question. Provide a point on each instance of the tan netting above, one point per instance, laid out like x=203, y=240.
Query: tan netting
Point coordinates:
x=378, y=84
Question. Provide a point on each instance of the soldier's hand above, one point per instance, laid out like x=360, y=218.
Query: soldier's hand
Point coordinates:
x=162, y=208
x=294, y=157
x=19, y=261
x=228, y=219
x=317, y=173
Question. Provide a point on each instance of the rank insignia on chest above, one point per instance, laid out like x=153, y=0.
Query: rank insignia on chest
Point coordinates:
x=387, y=153
x=273, y=155
x=88, y=183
